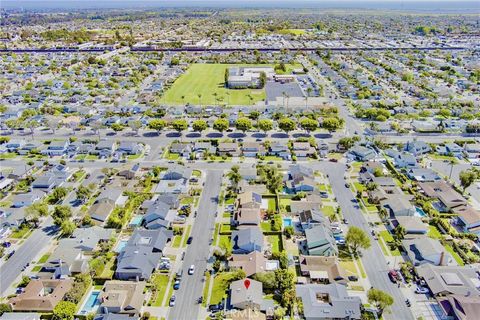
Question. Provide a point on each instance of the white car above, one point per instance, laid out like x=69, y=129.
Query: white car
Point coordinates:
x=191, y=270
x=421, y=290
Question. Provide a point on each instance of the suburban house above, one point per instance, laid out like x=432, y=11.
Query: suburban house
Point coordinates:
x=280, y=149
x=468, y=219
x=311, y=202
x=252, y=263
x=130, y=148
x=26, y=199
x=450, y=149
x=20, y=316
x=399, y=206
x=311, y=217
x=417, y=148
x=425, y=250
x=322, y=269
x=11, y=219
x=201, y=149
x=253, y=149
x=301, y=183
x=303, y=149
x=247, y=240
x=460, y=307
x=14, y=145
x=361, y=153
x=299, y=171
x=472, y=150
x=448, y=280
x=56, y=148
x=249, y=174
x=114, y=316
x=320, y=241
x=46, y=182
x=251, y=298
x=183, y=149
x=122, y=297
x=108, y=199
x=405, y=160
x=41, y=295
x=443, y=192
x=104, y=148
x=422, y=174
x=159, y=214
x=328, y=301
x=247, y=217
x=230, y=149
x=249, y=199
x=142, y=254
x=412, y=224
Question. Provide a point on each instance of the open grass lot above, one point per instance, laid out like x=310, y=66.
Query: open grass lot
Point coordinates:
x=208, y=79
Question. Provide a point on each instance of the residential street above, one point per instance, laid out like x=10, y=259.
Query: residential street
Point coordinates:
x=373, y=258
x=191, y=288
x=31, y=248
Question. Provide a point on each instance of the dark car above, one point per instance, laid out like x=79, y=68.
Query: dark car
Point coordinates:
x=215, y=307
x=347, y=185
x=352, y=278
x=176, y=285
x=393, y=275
x=189, y=240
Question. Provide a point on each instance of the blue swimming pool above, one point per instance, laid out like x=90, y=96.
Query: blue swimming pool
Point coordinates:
x=136, y=221
x=121, y=245
x=92, y=303
x=287, y=222
x=420, y=212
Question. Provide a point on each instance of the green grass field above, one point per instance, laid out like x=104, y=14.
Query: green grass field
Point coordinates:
x=208, y=79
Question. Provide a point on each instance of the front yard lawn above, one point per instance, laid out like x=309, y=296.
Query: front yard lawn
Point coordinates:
x=44, y=258
x=160, y=281
x=329, y=211
x=186, y=200
x=388, y=238
x=221, y=282
x=21, y=233
x=454, y=255
x=434, y=233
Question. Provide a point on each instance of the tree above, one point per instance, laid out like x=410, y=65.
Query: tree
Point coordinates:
x=64, y=310
x=265, y=125
x=357, y=238
x=282, y=257
x=254, y=115
x=39, y=208
x=117, y=127
x=67, y=227
x=331, y=124
x=272, y=178
x=32, y=125
x=467, y=177
x=157, y=124
x=308, y=124
x=234, y=176
x=243, y=124
x=199, y=125
x=289, y=231
x=179, y=125
x=287, y=125
x=58, y=194
x=96, y=126
x=400, y=232
x=135, y=125
x=348, y=142
x=83, y=193
x=61, y=213
x=379, y=299
x=221, y=124
x=378, y=172
x=5, y=307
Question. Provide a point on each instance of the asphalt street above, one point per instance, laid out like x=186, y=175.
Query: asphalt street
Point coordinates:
x=373, y=258
x=38, y=240
x=191, y=288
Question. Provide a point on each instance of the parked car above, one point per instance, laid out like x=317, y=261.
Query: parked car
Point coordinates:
x=191, y=270
x=422, y=290
x=172, y=301
x=189, y=240
x=176, y=285
x=393, y=275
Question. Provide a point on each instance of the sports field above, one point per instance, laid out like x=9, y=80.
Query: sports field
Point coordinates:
x=206, y=80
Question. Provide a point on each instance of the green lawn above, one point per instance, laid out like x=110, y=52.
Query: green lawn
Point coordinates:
x=387, y=237
x=434, y=233
x=224, y=241
x=206, y=80
x=294, y=32
x=221, y=283
x=177, y=241
x=285, y=203
x=186, y=200
x=44, y=258
x=272, y=205
x=206, y=289
x=196, y=173
x=171, y=156
x=266, y=226
x=329, y=211
x=360, y=187
x=8, y=155
x=187, y=234
x=20, y=233
x=275, y=241
x=160, y=281
x=36, y=268
x=454, y=255
x=272, y=158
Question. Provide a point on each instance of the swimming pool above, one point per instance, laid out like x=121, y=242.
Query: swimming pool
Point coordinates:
x=419, y=212
x=136, y=221
x=92, y=303
x=287, y=222
x=121, y=245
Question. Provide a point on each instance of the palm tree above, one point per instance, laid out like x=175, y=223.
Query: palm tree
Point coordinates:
x=234, y=177
x=215, y=97
x=399, y=232
x=183, y=99
x=453, y=162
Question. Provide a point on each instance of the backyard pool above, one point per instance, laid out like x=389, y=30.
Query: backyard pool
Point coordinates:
x=91, y=304
x=287, y=222
x=420, y=212
x=136, y=221
x=121, y=244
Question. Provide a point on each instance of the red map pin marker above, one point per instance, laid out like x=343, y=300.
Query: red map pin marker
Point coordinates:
x=246, y=283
